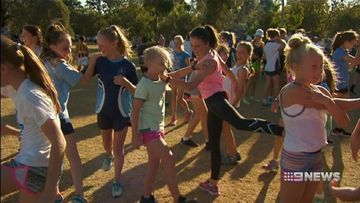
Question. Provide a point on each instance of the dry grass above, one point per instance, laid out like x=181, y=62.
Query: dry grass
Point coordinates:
x=245, y=182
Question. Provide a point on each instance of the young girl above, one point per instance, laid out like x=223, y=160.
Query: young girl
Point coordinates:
x=147, y=123
x=117, y=79
x=209, y=80
x=343, y=41
x=303, y=108
x=36, y=169
x=82, y=53
x=242, y=72
x=31, y=37
x=181, y=60
x=57, y=53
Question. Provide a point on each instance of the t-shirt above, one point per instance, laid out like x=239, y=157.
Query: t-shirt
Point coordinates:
x=341, y=68
x=271, y=54
x=64, y=77
x=180, y=59
x=33, y=109
x=153, y=111
x=187, y=46
x=113, y=99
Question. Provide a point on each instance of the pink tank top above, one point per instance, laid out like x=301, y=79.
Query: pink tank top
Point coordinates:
x=212, y=83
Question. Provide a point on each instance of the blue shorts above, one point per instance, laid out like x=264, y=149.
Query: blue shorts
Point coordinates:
x=66, y=126
x=117, y=122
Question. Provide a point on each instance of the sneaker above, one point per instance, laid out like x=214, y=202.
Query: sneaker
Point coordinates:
x=183, y=199
x=78, y=199
x=116, y=189
x=229, y=160
x=340, y=133
x=173, y=121
x=59, y=199
x=211, y=189
x=107, y=163
x=151, y=199
x=246, y=101
x=271, y=166
x=189, y=142
x=238, y=156
x=188, y=116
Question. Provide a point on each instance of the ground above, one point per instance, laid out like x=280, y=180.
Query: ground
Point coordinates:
x=245, y=182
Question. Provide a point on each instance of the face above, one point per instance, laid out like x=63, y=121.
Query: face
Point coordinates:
x=242, y=55
x=350, y=44
x=224, y=55
x=106, y=46
x=177, y=43
x=156, y=66
x=311, y=68
x=63, y=48
x=199, y=47
x=27, y=38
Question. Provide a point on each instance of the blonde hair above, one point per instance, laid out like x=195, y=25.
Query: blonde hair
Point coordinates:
x=113, y=33
x=297, y=47
x=159, y=53
x=179, y=37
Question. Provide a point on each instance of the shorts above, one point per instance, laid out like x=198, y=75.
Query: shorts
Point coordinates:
x=343, y=90
x=106, y=122
x=66, y=126
x=149, y=136
x=28, y=178
x=272, y=73
x=301, y=161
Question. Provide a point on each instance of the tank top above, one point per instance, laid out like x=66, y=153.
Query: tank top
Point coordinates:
x=304, y=128
x=229, y=87
x=212, y=83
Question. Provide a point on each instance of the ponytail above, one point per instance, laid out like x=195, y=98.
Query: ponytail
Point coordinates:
x=55, y=34
x=341, y=37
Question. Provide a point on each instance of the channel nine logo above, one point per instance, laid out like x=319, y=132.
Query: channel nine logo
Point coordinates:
x=310, y=176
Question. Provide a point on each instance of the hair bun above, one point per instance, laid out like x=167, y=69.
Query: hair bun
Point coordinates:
x=298, y=40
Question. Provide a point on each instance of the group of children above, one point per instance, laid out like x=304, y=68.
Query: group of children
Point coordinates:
x=40, y=89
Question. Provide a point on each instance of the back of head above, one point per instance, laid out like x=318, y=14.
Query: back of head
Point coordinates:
x=207, y=34
x=341, y=37
x=82, y=38
x=272, y=32
x=34, y=30
x=114, y=33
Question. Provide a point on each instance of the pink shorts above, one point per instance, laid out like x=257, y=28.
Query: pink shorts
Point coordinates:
x=152, y=135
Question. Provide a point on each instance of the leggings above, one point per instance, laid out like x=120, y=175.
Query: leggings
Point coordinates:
x=219, y=110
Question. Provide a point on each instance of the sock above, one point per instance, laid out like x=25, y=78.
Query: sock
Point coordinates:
x=186, y=138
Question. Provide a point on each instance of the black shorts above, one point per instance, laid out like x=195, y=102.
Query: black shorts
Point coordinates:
x=272, y=73
x=117, y=122
x=343, y=91
x=66, y=126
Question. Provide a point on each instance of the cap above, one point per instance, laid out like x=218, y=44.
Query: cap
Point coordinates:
x=259, y=32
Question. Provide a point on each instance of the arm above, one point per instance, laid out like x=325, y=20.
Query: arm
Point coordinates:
x=354, y=61
x=9, y=130
x=52, y=131
x=348, y=104
x=136, y=137
x=355, y=141
x=282, y=44
x=348, y=194
x=123, y=81
x=181, y=72
x=86, y=78
x=241, y=81
x=228, y=72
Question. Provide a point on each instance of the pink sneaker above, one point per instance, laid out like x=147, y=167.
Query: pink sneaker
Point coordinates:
x=211, y=189
x=188, y=116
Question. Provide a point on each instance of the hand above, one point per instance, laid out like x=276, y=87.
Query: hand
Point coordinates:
x=163, y=76
x=136, y=140
x=121, y=80
x=94, y=57
x=355, y=145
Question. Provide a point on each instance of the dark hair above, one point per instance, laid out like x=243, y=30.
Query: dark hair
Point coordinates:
x=113, y=33
x=55, y=34
x=272, y=32
x=341, y=37
x=82, y=38
x=229, y=37
x=34, y=30
x=282, y=30
x=18, y=55
x=207, y=34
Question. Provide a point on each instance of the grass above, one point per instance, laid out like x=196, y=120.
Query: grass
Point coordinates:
x=245, y=182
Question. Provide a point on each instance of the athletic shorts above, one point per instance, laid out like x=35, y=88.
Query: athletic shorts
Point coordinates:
x=272, y=73
x=28, y=178
x=152, y=135
x=301, y=161
x=66, y=126
x=106, y=122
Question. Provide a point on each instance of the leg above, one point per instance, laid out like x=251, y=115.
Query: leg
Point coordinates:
x=309, y=192
x=215, y=128
x=278, y=143
x=73, y=157
x=7, y=182
x=291, y=191
x=194, y=121
x=276, y=80
x=266, y=88
x=182, y=101
x=174, y=96
x=229, y=139
x=153, y=166
x=107, y=138
x=118, y=148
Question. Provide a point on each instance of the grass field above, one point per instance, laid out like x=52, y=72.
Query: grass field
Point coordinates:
x=245, y=182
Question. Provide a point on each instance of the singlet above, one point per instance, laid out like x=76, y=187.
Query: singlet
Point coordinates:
x=229, y=87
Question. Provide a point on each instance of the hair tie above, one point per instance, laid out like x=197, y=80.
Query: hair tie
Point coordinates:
x=18, y=46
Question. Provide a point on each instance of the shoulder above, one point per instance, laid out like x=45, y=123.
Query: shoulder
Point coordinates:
x=36, y=97
x=128, y=63
x=323, y=90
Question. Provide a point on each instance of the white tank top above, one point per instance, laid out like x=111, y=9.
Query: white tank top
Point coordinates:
x=229, y=88
x=304, y=128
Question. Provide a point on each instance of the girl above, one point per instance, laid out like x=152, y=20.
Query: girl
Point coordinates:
x=57, y=53
x=181, y=60
x=229, y=39
x=31, y=37
x=36, y=169
x=303, y=110
x=147, y=122
x=82, y=53
x=242, y=72
x=209, y=81
x=272, y=68
x=117, y=79
x=343, y=41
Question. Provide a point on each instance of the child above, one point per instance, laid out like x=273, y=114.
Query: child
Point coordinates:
x=181, y=60
x=82, y=53
x=343, y=41
x=117, y=79
x=147, y=123
x=36, y=169
x=242, y=72
x=209, y=80
x=57, y=53
x=31, y=36
x=303, y=108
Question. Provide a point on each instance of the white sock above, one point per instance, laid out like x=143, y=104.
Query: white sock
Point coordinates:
x=186, y=138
